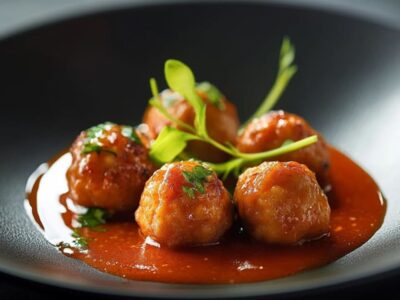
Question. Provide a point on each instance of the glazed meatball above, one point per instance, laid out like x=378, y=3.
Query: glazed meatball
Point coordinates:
x=282, y=203
x=221, y=119
x=274, y=128
x=109, y=168
x=184, y=204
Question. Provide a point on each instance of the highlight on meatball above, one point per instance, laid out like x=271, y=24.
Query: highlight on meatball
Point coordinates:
x=184, y=204
x=282, y=203
x=275, y=128
x=109, y=168
x=221, y=119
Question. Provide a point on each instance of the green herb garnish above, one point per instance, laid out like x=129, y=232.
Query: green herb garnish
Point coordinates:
x=169, y=144
x=188, y=191
x=79, y=240
x=93, y=217
x=196, y=177
x=213, y=94
x=93, y=144
x=286, y=71
x=172, y=141
x=89, y=147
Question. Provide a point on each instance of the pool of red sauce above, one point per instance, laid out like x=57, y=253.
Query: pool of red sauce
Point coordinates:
x=358, y=210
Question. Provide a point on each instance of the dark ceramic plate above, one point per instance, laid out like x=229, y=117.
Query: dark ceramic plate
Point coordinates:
x=65, y=76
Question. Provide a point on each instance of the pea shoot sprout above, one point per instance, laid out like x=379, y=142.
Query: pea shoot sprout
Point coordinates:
x=172, y=141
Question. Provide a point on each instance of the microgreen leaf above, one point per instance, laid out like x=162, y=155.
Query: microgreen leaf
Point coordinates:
x=180, y=79
x=287, y=54
x=200, y=122
x=213, y=94
x=154, y=89
x=93, y=217
x=285, y=74
x=169, y=144
x=156, y=102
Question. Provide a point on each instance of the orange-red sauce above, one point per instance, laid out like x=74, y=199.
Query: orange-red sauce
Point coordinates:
x=358, y=210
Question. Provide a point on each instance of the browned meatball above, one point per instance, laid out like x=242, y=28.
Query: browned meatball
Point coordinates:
x=221, y=119
x=109, y=168
x=282, y=203
x=274, y=128
x=184, y=204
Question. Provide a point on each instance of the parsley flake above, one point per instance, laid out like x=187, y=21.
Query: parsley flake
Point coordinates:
x=79, y=241
x=197, y=177
x=93, y=217
x=92, y=143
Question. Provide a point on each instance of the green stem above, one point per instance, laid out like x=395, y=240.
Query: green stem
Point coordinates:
x=157, y=104
x=235, y=164
x=280, y=84
x=285, y=74
x=220, y=146
x=281, y=150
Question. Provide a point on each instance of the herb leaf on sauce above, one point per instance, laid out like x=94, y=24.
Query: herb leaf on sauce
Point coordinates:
x=93, y=217
x=79, y=240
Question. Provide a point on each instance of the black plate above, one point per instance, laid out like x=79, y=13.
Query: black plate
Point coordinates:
x=63, y=77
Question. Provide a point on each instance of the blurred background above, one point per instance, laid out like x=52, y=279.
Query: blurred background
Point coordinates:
x=19, y=14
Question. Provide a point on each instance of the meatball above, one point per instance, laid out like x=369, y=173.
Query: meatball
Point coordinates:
x=184, y=204
x=282, y=203
x=109, y=168
x=274, y=128
x=221, y=119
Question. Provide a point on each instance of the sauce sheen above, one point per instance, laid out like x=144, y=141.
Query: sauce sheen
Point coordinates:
x=358, y=210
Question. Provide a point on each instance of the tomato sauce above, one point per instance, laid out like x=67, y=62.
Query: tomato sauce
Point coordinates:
x=358, y=210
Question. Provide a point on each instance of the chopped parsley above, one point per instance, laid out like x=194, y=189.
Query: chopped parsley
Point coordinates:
x=79, y=241
x=92, y=143
x=213, y=94
x=89, y=147
x=93, y=217
x=197, y=177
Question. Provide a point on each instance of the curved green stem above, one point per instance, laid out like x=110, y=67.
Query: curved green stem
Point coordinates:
x=237, y=163
x=285, y=74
